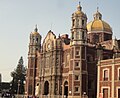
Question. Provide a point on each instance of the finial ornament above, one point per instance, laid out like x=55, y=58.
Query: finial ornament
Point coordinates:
x=79, y=7
x=79, y=3
x=59, y=36
x=97, y=9
x=36, y=28
x=36, y=25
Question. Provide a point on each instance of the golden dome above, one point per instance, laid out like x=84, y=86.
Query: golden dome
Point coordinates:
x=98, y=24
x=35, y=33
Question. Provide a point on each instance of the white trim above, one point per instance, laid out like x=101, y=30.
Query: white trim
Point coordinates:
x=98, y=80
x=99, y=32
x=118, y=73
x=103, y=87
x=113, y=78
x=106, y=65
x=117, y=91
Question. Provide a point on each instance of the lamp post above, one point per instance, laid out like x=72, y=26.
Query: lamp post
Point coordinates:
x=18, y=88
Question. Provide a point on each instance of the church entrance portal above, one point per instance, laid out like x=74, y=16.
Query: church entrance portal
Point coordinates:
x=46, y=88
x=66, y=89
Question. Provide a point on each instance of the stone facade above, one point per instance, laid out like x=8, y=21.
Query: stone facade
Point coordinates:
x=63, y=67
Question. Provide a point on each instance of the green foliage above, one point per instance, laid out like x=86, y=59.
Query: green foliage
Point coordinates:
x=18, y=76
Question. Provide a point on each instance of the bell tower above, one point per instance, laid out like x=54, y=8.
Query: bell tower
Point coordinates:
x=32, y=71
x=78, y=54
x=79, y=30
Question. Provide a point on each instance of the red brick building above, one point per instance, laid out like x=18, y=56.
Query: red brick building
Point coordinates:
x=109, y=78
x=63, y=67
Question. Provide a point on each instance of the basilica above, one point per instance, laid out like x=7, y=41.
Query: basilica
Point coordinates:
x=66, y=66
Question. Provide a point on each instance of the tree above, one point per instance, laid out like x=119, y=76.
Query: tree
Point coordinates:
x=18, y=76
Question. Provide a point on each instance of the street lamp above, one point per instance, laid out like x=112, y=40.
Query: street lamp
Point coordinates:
x=84, y=94
x=18, y=88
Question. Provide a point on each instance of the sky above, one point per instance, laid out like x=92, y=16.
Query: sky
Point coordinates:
x=19, y=17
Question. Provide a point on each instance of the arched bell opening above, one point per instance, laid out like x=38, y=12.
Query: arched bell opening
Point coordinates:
x=46, y=88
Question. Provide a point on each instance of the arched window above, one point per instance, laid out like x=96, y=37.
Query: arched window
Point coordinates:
x=36, y=40
x=73, y=22
x=72, y=35
x=66, y=89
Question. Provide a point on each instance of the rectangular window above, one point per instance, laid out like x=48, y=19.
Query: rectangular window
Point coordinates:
x=77, y=52
x=76, y=77
x=76, y=89
x=82, y=22
x=105, y=75
x=83, y=34
x=73, y=22
x=76, y=64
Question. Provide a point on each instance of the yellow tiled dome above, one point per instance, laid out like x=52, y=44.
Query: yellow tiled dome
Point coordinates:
x=98, y=25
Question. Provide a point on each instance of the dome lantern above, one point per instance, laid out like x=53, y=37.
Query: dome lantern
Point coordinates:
x=97, y=15
x=79, y=8
x=35, y=32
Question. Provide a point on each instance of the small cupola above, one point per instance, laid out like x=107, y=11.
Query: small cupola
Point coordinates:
x=97, y=15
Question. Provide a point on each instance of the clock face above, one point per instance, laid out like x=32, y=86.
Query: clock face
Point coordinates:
x=49, y=46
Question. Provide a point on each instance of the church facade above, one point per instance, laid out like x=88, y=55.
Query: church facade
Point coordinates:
x=66, y=67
